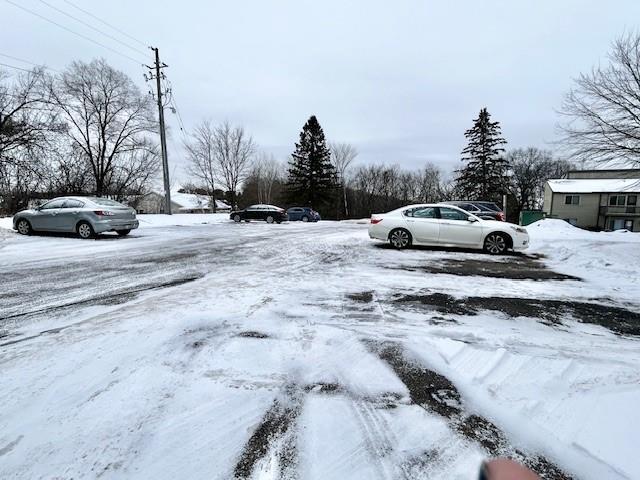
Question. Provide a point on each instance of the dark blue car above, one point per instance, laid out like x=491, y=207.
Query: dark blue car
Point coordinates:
x=303, y=214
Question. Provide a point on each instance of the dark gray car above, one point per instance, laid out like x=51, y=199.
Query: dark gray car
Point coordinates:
x=482, y=209
x=86, y=216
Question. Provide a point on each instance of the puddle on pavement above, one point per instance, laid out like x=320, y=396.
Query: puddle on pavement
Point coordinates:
x=616, y=319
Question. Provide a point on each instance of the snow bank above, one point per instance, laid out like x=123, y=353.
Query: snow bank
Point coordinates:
x=601, y=258
x=564, y=405
x=552, y=224
x=358, y=221
x=6, y=223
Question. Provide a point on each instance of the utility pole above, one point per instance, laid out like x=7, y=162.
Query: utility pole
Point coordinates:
x=163, y=137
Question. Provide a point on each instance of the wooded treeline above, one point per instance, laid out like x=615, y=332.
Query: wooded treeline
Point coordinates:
x=87, y=130
x=90, y=130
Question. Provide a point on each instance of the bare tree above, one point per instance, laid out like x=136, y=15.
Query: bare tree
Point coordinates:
x=603, y=110
x=108, y=119
x=429, y=184
x=26, y=129
x=201, y=154
x=234, y=150
x=220, y=155
x=342, y=156
x=531, y=168
x=266, y=171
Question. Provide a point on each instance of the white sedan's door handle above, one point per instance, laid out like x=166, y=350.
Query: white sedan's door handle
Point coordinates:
x=410, y=221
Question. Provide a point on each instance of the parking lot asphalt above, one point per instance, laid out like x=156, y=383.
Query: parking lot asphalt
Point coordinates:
x=281, y=327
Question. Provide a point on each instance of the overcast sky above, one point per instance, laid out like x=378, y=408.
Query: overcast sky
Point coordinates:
x=401, y=80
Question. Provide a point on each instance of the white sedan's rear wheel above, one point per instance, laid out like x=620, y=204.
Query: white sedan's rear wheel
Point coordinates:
x=400, y=238
x=495, y=244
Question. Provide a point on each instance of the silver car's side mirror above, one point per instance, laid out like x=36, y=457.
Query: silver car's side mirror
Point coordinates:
x=472, y=219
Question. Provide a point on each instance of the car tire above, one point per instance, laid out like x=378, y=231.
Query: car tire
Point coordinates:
x=24, y=227
x=496, y=243
x=123, y=233
x=400, y=238
x=85, y=230
x=305, y=219
x=269, y=219
x=237, y=219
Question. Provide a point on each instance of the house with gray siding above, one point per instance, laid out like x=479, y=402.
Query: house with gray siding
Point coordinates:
x=597, y=200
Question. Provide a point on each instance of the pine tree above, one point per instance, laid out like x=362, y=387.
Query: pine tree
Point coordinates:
x=312, y=177
x=484, y=177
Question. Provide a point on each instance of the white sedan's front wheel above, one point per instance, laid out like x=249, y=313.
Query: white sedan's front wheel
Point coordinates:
x=400, y=238
x=495, y=244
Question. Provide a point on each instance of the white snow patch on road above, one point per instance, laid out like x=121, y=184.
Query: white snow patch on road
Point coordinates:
x=173, y=382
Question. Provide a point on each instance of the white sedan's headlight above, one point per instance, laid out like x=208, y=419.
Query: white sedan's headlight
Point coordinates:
x=519, y=229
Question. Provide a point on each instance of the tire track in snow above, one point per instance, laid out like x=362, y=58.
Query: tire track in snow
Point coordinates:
x=379, y=437
x=273, y=437
x=435, y=393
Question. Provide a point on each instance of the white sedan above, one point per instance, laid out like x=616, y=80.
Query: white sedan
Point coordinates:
x=446, y=226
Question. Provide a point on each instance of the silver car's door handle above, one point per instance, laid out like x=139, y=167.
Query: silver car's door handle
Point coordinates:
x=410, y=221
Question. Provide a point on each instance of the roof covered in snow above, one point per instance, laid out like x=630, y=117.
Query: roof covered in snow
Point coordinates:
x=610, y=185
x=191, y=201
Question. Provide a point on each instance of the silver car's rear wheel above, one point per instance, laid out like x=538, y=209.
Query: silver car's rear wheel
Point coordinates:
x=269, y=219
x=400, y=238
x=495, y=243
x=24, y=227
x=305, y=219
x=85, y=230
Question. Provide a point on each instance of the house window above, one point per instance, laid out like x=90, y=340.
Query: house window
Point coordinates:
x=572, y=199
x=617, y=200
x=632, y=200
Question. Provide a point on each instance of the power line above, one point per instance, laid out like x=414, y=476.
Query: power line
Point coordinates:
x=183, y=129
x=27, y=61
x=92, y=27
x=17, y=68
x=105, y=23
x=137, y=62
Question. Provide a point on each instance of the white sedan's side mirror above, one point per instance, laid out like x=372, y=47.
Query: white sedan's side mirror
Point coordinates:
x=472, y=219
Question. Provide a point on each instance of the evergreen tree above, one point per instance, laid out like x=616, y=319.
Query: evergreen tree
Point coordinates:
x=312, y=177
x=484, y=177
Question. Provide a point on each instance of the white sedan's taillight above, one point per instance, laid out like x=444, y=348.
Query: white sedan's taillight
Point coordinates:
x=376, y=220
x=104, y=213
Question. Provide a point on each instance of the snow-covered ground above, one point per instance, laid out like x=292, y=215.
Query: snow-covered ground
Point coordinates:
x=200, y=348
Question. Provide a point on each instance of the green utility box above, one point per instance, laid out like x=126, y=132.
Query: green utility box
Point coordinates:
x=527, y=217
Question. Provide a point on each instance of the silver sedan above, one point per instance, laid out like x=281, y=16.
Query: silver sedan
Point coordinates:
x=86, y=216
